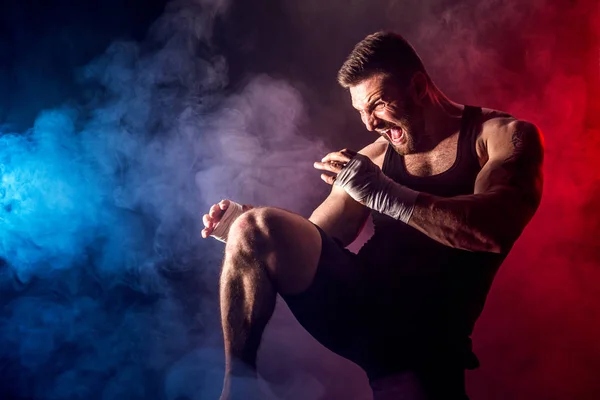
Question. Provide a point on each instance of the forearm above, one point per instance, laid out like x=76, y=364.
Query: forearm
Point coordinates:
x=489, y=220
x=333, y=222
x=477, y=222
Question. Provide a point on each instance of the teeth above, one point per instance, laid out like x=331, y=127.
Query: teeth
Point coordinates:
x=388, y=133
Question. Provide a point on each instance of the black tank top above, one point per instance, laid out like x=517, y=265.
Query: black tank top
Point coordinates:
x=434, y=292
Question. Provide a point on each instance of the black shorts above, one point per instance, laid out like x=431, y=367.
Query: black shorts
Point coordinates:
x=346, y=312
x=335, y=306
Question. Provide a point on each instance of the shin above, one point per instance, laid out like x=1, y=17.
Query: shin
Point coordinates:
x=247, y=297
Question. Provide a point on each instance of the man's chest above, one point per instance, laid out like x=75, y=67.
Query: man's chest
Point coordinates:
x=434, y=162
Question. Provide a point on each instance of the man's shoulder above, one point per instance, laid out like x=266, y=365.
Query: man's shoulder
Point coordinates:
x=376, y=151
x=495, y=122
x=499, y=127
x=495, y=119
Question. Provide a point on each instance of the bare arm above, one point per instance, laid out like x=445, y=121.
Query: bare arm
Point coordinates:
x=340, y=215
x=507, y=193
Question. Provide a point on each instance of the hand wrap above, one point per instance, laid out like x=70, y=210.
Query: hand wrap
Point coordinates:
x=366, y=183
x=222, y=229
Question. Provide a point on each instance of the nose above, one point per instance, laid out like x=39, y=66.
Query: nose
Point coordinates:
x=370, y=121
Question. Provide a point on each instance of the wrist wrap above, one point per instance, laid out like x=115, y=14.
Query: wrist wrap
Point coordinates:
x=366, y=183
x=221, y=231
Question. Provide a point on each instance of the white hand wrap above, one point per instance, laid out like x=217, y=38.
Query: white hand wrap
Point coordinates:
x=366, y=183
x=222, y=229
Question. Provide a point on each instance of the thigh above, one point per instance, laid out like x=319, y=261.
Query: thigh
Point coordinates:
x=288, y=244
x=333, y=308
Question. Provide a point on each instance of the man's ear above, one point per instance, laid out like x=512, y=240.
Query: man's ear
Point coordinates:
x=418, y=87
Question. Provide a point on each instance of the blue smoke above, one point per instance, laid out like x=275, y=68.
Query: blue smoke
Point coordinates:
x=108, y=292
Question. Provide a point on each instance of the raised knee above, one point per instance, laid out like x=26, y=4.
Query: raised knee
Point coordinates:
x=276, y=242
x=251, y=230
x=251, y=223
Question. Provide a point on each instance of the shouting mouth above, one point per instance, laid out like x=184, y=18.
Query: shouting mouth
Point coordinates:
x=394, y=135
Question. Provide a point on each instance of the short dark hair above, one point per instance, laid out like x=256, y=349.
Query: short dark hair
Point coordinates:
x=380, y=52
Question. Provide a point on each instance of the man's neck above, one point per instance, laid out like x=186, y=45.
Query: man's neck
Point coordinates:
x=442, y=119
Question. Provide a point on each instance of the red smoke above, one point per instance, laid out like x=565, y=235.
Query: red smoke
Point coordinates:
x=538, y=337
x=539, y=334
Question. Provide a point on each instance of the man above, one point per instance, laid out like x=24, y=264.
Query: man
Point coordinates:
x=450, y=188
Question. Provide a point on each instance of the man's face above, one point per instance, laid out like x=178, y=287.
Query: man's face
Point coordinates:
x=386, y=108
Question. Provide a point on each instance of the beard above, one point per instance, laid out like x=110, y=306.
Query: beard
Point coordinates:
x=410, y=120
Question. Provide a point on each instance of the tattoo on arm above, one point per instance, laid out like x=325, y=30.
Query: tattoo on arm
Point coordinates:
x=523, y=165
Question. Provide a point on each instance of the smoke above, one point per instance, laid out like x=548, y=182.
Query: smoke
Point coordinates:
x=108, y=291
x=539, y=61
x=258, y=152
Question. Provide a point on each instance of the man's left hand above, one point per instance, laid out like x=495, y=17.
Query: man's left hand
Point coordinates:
x=334, y=162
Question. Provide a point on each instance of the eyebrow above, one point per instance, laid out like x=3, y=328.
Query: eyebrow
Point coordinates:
x=370, y=104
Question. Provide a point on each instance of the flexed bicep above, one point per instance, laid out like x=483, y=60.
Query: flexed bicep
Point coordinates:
x=515, y=162
x=512, y=178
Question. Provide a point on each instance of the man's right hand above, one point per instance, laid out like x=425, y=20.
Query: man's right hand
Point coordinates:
x=215, y=214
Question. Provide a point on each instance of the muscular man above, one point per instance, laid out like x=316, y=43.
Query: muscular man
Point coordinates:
x=449, y=187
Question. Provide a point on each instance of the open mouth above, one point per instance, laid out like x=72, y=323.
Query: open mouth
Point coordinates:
x=395, y=135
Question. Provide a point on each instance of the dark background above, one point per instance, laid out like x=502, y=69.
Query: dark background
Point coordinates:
x=118, y=132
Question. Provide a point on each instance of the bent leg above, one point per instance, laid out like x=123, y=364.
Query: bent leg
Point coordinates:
x=269, y=251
